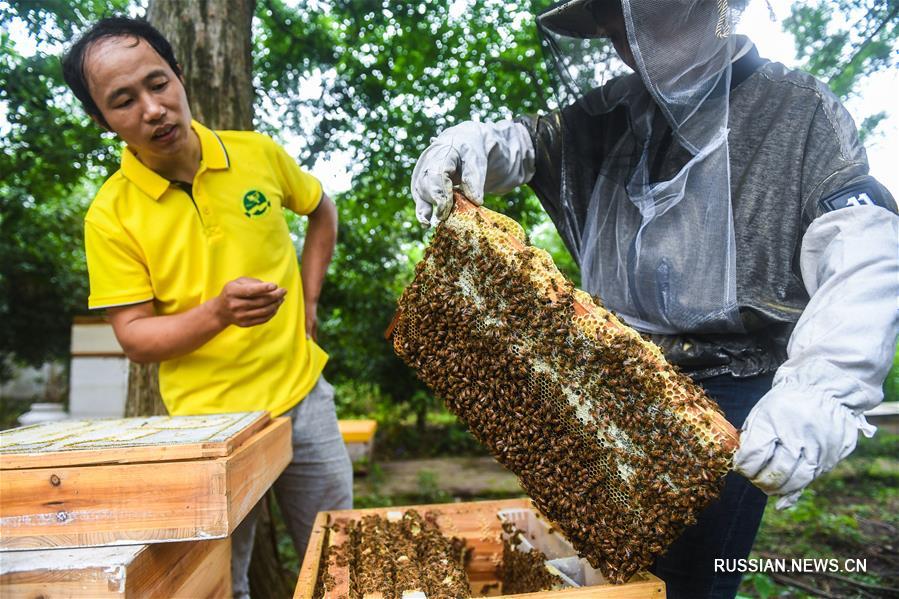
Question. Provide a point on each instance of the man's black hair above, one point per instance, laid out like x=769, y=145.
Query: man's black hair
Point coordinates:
x=73, y=61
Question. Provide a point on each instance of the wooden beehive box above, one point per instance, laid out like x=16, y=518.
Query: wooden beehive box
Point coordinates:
x=359, y=437
x=84, y=483
x=478, y=525
x=199, y=570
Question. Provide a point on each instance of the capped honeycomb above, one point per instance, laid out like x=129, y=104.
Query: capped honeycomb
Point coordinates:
x=613, y=444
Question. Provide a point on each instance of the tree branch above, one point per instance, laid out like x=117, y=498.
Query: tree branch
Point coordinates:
x=867, y=41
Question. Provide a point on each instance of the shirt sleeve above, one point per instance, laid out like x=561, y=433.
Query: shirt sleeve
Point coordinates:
x=118, y=274
x=835, y=165
x=302, y=191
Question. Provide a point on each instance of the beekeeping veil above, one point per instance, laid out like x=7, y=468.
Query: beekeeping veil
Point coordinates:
x=655, y=238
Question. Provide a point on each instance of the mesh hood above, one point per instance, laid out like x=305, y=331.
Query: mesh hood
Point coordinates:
x=658, y=245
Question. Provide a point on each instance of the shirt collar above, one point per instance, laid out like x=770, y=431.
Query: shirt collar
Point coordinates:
x=747, y=64
x=213, y=152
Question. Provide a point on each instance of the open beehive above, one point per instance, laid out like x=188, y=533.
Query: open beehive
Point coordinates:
x=340, y=565
x=613, y=444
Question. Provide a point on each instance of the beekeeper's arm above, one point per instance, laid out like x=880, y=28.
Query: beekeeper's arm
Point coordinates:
x=843, y=344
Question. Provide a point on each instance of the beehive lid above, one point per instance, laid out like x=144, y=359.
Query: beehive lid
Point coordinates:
x=127, y=440
x=357, y=431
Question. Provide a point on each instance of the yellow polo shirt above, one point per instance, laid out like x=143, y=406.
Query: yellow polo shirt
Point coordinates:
x=146, y=239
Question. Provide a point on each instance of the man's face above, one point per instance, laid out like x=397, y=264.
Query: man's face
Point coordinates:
x=139, y=95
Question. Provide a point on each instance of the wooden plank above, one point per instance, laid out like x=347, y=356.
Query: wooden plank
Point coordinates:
x=88, y=573
x=202, y=569
x=253, y=468
x=312, y=559
x=126, y=440
x=183, y=569
x=339, y=574
x=654, y=589
x=477, y=523
x=97, y=505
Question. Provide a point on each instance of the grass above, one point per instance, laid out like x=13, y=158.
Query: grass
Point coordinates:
x=850, y=513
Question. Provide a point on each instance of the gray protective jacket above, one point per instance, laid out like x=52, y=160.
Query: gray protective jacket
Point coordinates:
x=794, y=155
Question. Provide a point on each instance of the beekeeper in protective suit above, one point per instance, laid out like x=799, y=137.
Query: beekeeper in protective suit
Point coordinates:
x=721, y=204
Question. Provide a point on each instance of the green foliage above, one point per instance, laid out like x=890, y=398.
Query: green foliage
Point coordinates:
x=849, y=513
x=842, y=42
x=762, y=585
x=891, y=384
x=429, y=488
x=51, y=159
x=392, y=76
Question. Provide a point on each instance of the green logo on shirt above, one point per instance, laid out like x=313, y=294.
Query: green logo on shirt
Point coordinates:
x=255, y=203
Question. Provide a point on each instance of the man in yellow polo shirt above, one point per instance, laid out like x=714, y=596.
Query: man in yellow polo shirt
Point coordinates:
x=189, y=253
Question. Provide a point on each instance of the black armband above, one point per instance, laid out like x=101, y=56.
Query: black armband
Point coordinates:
x=866, y=192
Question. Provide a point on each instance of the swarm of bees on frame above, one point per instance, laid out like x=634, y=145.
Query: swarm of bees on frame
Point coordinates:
x=524, y=572
x=613, y=445
x=396, y=558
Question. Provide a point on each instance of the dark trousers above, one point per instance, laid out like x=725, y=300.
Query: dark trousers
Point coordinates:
x=726, y=528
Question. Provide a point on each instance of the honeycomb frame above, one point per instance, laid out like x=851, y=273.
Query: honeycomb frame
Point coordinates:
x=614, y=445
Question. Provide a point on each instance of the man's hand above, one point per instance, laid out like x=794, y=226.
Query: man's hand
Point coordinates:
x=247, y=302
x=147, y=337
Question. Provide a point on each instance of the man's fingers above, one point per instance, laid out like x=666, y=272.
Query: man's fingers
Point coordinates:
x=423, y=213
x=257, y=301
x=259, y=315
x=432, y=182
x=249, y=288
x=757, y=446
x=257, y=321
x=779, y=470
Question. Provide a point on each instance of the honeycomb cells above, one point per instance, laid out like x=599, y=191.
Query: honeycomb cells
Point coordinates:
x=613, y=445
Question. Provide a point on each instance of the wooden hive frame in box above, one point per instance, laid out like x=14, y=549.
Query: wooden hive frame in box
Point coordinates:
x=613, y=444
x=476, y=523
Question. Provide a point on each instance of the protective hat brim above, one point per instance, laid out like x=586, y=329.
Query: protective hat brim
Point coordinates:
x=572, y=18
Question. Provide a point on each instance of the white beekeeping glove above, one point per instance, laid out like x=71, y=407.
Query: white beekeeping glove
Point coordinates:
x=480, y=157
x=839, y=354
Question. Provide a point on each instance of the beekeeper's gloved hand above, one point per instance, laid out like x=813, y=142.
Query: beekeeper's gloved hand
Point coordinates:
x=794, y=434
x=479, y=157
x=839, y=354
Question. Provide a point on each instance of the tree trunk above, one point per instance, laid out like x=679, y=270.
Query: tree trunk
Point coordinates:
x=144, y=398
x=212, y=42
